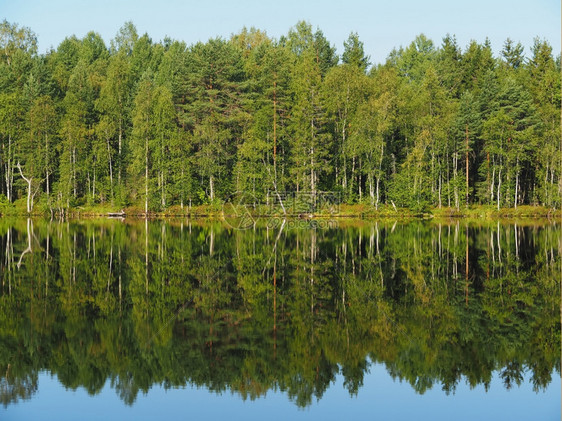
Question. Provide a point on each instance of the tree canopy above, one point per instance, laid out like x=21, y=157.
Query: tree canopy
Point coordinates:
x=160, y=124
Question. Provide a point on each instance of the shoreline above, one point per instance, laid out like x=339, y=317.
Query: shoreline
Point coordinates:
x=356, y=211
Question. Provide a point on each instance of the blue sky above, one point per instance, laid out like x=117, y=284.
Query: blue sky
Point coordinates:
x=381, y=25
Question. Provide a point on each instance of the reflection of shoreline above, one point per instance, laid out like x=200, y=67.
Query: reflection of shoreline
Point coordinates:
x=13, y=389
x=476, y=213
x=91, y=302
x=378, y=395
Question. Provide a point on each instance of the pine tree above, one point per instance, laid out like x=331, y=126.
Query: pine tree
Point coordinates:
x=544, y=86
x=354, y=54
x=508, y=133
x=215, y=91
x=307, y=126
x=468, y=127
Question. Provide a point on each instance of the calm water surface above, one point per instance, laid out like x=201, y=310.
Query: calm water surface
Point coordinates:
x=189, y=319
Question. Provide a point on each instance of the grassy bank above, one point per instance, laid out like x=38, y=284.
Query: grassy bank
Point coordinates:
x=18, y=208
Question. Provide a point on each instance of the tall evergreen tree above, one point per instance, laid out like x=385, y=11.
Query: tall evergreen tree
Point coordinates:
x=354, y=53
x=307, y=125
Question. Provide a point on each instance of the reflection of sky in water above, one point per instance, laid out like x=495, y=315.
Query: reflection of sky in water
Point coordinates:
x=380, y=398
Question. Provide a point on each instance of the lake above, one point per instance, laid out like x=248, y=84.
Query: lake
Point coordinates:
x=185, y=319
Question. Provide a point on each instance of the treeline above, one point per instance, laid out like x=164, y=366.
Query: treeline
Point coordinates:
x=154, y=125
x=250, y=311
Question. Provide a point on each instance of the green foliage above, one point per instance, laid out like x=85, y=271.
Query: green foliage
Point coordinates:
x=257, y=114
x=354, y=54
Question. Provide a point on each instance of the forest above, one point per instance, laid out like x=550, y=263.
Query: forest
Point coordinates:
x=157, y=125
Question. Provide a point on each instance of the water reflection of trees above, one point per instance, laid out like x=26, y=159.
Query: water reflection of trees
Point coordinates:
x=172, y=303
